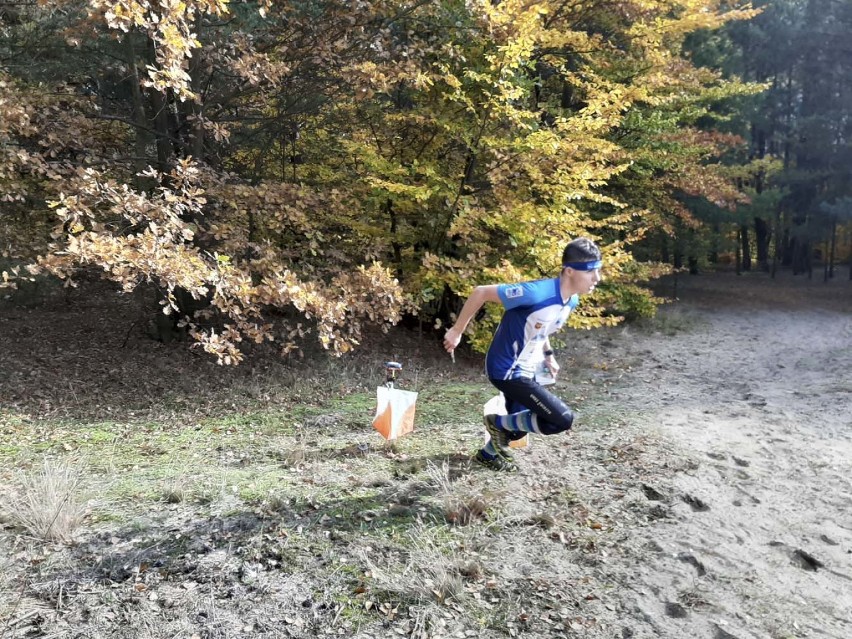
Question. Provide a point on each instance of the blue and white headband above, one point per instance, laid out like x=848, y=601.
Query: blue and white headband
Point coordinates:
x=583, y=266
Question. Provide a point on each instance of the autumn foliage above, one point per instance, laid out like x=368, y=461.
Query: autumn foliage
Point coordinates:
x=304, y=168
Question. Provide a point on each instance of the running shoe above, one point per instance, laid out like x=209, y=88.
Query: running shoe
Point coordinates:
x=500, y=438
x=495, y=463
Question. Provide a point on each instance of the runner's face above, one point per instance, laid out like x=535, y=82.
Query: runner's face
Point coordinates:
x=584, y=282
x=591, y=278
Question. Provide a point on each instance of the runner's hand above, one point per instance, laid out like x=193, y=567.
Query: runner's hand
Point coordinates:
x=452, y=339
x=552, y=365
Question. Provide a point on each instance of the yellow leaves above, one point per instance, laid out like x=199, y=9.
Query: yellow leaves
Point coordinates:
x=370, y=74
x=124, y=15
x=170, y=76
x=219, y=131
x=566, y=39
x=257, y=68
x=497, y=124
x=422, y=81
x=417, y=193
x=452, y=80
x=168, y=24
x=671, y=21
x=513, y=20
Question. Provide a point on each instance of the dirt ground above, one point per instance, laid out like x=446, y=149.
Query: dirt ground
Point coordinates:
x=706, y=491
x=755, y=394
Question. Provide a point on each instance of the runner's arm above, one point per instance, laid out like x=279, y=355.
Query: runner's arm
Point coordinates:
x=479, y=296
x=550, y=360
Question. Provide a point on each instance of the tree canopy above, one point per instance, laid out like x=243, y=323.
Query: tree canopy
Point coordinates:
x=798, y=161
x=304, y=168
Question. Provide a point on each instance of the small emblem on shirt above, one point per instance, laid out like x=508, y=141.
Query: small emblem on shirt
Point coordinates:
x=538, y=325
x=514, y=291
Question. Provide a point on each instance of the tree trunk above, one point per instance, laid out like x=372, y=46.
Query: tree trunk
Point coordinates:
x=713, y=257
x=787, y=246
x=739, y=263
x=801, y=256
x=761, y=242
x=761, y=227
x=746, y=248
x=160, y=106
x=142, y=133
x=194, y=109
x=833, y=248
x=693, y=265
x=778, y=241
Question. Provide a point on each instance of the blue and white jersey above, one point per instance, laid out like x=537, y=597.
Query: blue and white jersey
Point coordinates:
x=534, y=310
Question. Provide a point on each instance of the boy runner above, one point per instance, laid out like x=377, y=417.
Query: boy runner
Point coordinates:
x=534, y=310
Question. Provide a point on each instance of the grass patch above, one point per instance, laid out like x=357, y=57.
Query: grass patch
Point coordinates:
x=455, y=402
x=429, y=569
x=243, y=500
x=47, y=503
x=461, y=504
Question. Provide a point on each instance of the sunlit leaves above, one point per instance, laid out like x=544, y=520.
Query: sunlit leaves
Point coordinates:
x=160, y=250
x=169, y=24
x=452, y=143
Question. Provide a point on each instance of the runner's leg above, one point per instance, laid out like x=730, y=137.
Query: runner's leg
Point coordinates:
x=532, y=408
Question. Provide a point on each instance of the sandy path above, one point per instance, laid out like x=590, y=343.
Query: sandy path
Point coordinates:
x=706, y=492
x=757, y=394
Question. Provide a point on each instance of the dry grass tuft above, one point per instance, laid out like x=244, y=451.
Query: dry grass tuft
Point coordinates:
x=461, y=506
x=8, y=600
x=175, y=492
x=48, y=504
x=176, y=488
x=467, y=509
x=543, y=520
x=430, y=572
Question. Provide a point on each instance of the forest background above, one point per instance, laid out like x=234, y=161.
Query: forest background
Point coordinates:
x=271, y=182
x=291, y=171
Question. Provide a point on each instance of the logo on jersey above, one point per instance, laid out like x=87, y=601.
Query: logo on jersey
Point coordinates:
x=514, y=291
